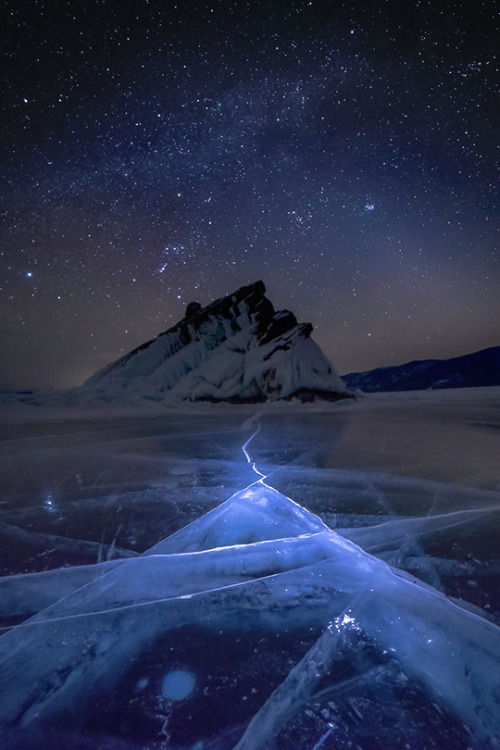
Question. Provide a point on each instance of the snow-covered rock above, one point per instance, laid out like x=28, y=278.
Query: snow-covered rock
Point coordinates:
x=237, y=348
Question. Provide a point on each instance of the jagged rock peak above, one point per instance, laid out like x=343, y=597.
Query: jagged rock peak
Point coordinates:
x=237, y=348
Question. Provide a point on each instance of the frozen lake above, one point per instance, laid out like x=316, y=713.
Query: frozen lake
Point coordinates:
x=410, y=483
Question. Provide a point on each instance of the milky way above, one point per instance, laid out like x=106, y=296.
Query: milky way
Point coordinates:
x=156, y=153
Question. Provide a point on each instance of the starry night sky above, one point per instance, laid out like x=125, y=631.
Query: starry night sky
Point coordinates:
x=155, y=153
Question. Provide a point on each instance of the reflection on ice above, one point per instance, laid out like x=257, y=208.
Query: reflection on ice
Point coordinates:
x=258, y=563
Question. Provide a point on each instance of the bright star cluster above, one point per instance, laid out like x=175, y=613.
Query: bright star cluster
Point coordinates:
x=158, y=153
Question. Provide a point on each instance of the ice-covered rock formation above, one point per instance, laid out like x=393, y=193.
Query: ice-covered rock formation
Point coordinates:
x=237, y=348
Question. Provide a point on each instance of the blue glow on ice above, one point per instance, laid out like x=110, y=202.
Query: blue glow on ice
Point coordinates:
x=177, y=685
x=49, y=504
x=244, y=447
x=262, y=553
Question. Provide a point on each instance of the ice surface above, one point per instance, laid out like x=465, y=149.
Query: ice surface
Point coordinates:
x=81, y=644
x=364, y=611
x=253, y=515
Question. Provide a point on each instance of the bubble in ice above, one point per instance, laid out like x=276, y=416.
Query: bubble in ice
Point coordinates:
x=177, y=685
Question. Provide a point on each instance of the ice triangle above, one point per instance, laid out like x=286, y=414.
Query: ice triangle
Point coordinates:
x=257, y=514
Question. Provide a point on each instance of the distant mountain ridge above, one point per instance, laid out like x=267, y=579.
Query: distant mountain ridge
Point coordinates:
x=237, y=348
x=480, y=368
